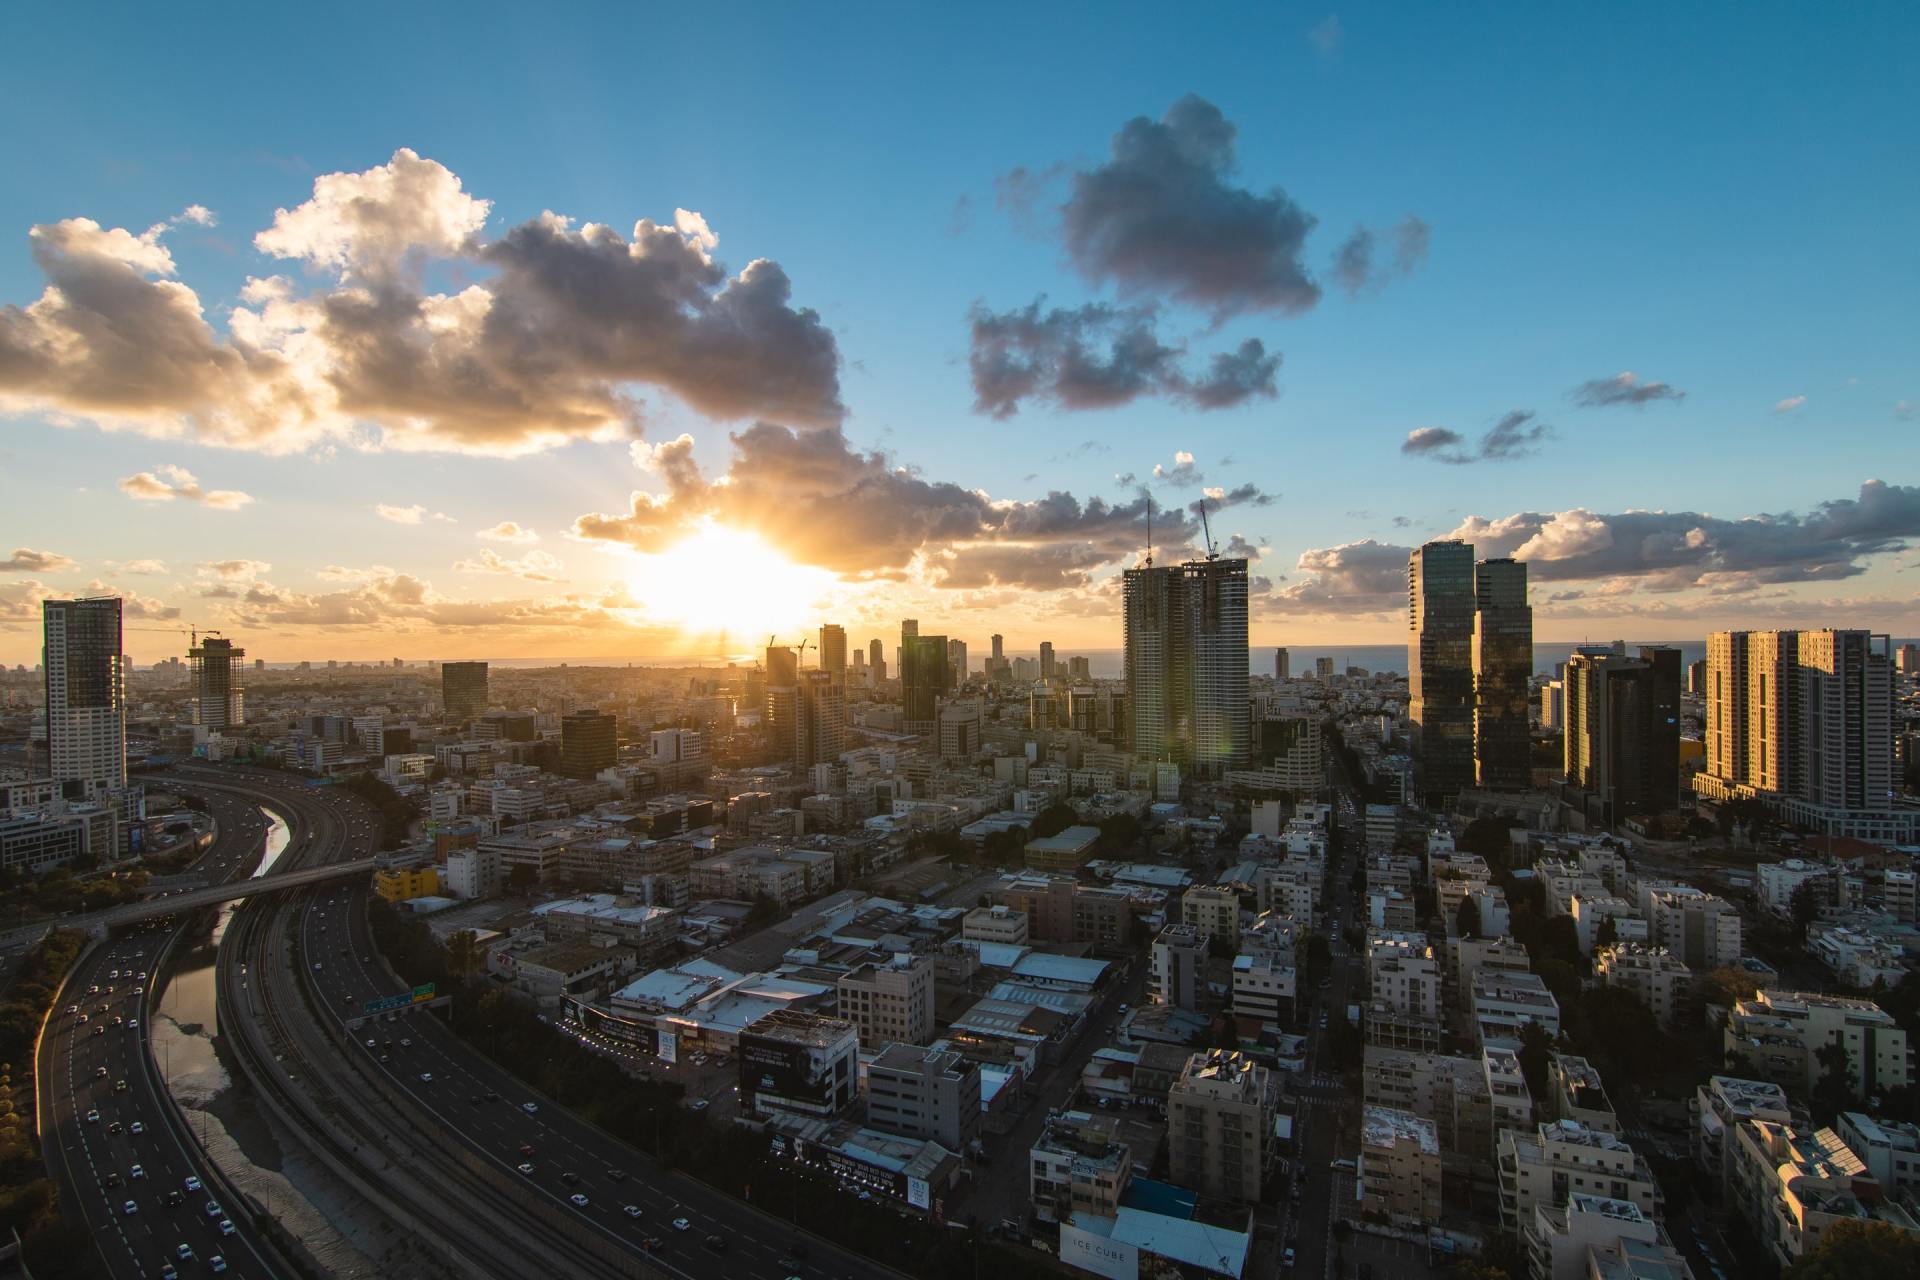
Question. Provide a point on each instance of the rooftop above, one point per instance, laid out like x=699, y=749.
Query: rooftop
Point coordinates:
x=1389, y=1126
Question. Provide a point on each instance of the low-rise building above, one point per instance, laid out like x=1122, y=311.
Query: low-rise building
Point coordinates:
x=799, y=1062
x=1263, y=990
x=1578, y=1093
x=1067, y=851
x=1651, y=973
x=1562, y=1158
x=1503, y=1003
x=1780, y=1033
x=1890, y=1149
x=1793, y=1185
x=1399, y=1167
x=1595, y=1238
x=1220, y=1125
x=1722, y=1105
x=1000, y=924
x=924, y=1093
x=1212, y=909
x=397, y=884
x=1078, y=1165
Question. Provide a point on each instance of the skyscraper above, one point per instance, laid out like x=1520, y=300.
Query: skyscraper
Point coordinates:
x=957, y=659
x=1805, y=720
x=218, y=699
x=463, y=689
x=924, y=676
x=1282, y=664
x=85, y=675
x=1186, y=663
x=1000, y=647
x=833, y=651
x=589, y=742
x=1046, y=660
x=877, y=660
x=1502, y=665
x=820, y=728
x=1623, y=729
x=1440, y=611
x=782, y=708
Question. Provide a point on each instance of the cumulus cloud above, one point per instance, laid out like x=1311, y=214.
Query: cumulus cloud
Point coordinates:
x=1181, y=473
x=544, y=346
x=1518, y=434
x=861, y=515
x=232, y=570
x=144, y=568
x=20, y=601
x=508, y=531
x=400, y=515
x=1623, y=388
x=1789, y=404
x=1354, y=577
x=1099, y=357
x=1326, y=35
x=27, y=560
x=1357, y=267
x=378, y=598
x=1162, y=216
x=534, y=566
x=171, y=482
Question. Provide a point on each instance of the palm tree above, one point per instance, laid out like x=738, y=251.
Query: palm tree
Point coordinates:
x=462, y=954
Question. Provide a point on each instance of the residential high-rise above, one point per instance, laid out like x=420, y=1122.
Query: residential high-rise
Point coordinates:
x=877, y=660
x=85, y=675
x=1046, y=660
x=1440, y=620
x=1697, y=678
x=1622, y=743
x=924, y=676
x=999, y=647
x=957, y=660
x=1805, y=720
x=1907, y=659
x=1323, y=670
x=1282, y=664
x=1187, y=663
x=589, y=742
x=218, y=700
x=463, y=689
x=820, y=725
x=1502, y=666
x=833, y=651
x=1219, y=1124
x=781, y=709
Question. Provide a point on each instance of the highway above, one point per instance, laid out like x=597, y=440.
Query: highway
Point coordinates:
x=570, y=1157
x=110, y=1140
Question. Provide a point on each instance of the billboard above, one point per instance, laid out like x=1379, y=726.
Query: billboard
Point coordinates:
x=669, y=1047
x=919, y=1194
x=797, y=1075
x=1114, y=1259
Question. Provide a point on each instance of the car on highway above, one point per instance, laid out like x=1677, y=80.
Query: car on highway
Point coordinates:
x=526, y=1148
x=184, y=1252
x=226, y=1226
x=526, y=1167
x=716, y=1243
x=192, y=1183
x=1287, y=1259
x=138, y=1171
x=215, y=1211
x=114, y=1127
x=137, y=1127
x=216, y=1264
x=632, y=1211
x=618, y=1175
x=100, y=1073
x=571, y=1178
x=93, y=1117
x=426, y=1077
x=167, y=1272
x=529, y=1107
x=579, y=1201
x=129, y=1208
x=173, y=1199
x=681, y=1224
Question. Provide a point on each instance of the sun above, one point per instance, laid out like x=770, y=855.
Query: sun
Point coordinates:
x=729, y=586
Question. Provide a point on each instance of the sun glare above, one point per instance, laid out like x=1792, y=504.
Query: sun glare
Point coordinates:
x=729, y=586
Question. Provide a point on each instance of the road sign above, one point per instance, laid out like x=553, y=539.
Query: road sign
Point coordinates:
x=419, y=995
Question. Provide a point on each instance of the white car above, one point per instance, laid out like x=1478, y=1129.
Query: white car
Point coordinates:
x=632, y=1211
x=226, y=1226
x=215, y=1211
x=681, y=1224
x=137, y=1127
x=527, y=1169
x=426, y=1077
x=579, y=1201
x=129, y=1208
x=216, y=1263
x=137, y=1172
x=529, y=1107
x=192, y=1183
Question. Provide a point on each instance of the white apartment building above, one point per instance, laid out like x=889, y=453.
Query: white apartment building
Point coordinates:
x=1589, y=911
x=1212, y=909
x=891, y=1001
x=1773, y=1024
x=1793, y=1185
x=1564, y=1158
x=1179, y=966
x=1701, y=929
x=1722, y=1105
x=1503, y=1003
x=1651, y=973
x=1001, y=924
x=1263, y=990
x=474, y=873
x=1777, y=882
x=1890, y=1149
x=1596, y=1237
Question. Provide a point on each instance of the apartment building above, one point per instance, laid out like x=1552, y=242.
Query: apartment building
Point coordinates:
x=1702, y=930
x=1179, y=956
x=1793, y=1185
x=1652, y=973
x=1212, y=909
x=1263, y=990
x=1399, y=1168
x=1781, y=1032
x=1503, y=1003
x=891, y=1001
x=1890, y=1149
x=1220, y=1125
x=1577, y=1093
x=1596, y=1238
x=1563, y=1158
x=1722, y=1105
x=998, y=924
x=1469, y=1100
x=1078, y=1165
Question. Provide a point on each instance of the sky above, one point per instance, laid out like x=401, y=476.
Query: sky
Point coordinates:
x=439, y=332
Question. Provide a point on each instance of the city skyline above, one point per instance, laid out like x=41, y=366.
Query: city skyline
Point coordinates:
x=747, y=429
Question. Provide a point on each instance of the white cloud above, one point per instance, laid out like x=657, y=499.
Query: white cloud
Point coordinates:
x=27, y=560
x=1789, y=404
x=171, y=482
x=144, y=567
x=509, y=531
x=534, y=566
x=233, y=569
x=401, y=515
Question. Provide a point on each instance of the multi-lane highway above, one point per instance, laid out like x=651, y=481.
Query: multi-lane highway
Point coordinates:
x=126, y=1170
x=486, y=1121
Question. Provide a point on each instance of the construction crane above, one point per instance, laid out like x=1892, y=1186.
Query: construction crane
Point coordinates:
x=191, y=631
x=800, y=654
x=1207, y=529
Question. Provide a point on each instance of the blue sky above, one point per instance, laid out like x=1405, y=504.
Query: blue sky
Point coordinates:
x=1718, y=198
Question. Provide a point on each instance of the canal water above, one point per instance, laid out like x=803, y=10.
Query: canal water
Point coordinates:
x=338, y=1229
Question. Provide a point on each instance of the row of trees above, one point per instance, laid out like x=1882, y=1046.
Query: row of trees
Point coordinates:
x=29, y=1203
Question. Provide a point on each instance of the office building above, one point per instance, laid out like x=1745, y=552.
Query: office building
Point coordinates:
x=956, y=663
x=877, y=662
x=1323, y=670
x=1048, y=665
x=1502, y=667
x=960, y=726
x=820, y=720
x=1804, y=721
x=1399, y=1166
x=833, y=651
x=1622, y=747
x=1282, y=664
x=890, y=1001
x=799, y=1063
x=924, y=678
x=1186, y=664
x=1220, y=1125
x=1697, y=678
x=589, y=742
x=84, y=670
x=463, y=689
x=924, y=1093
x=1440, y=623
x=218, y=700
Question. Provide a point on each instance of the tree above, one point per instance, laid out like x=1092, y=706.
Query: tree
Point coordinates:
x=522, y=876
x=1606, y=935
x=1560, y=940
x=1488, y=837
x=1561, y=979
x=1319, y=956
x=1727, y=986
x=1855, y=1250
x=1535, y=1045
x=1054, y=819
x=462, y=954
x=1467, y=920
x=1833, y=1091
x=1808, y=897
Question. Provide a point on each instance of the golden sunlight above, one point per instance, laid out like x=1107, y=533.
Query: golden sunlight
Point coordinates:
x=729, y=585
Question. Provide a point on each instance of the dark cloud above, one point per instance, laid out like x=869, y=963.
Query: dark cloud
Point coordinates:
x=1048, y=567
x=1622, y=388
x=1161, y=216
x=1354, y=265
x=1098, y=357
x=1518, y=434
x=543, y=349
